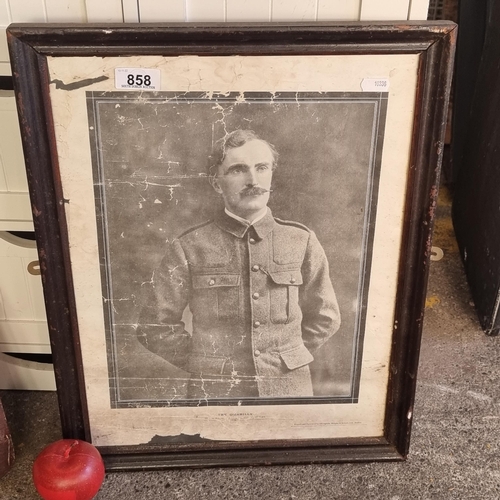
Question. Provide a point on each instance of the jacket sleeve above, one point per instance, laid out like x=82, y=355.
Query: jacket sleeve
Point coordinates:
x=160, y=328
x=320, y=311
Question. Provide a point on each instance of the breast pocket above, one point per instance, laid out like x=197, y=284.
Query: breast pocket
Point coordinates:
x=284, y=295
x=216, y=296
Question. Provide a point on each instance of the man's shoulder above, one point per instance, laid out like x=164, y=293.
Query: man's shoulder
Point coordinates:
x=289, y=224
x=193, y=230
x=291, y=233
x=291, y=237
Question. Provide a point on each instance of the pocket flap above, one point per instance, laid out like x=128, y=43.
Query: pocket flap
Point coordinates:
x=292, y=277
x=215, y=280
x=296, y=357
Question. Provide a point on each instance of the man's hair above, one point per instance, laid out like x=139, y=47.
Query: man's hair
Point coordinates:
x=232, y=140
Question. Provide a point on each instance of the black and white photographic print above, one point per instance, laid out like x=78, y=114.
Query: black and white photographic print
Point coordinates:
x=235, y=241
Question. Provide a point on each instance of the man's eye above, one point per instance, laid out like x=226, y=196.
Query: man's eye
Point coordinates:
x=262, y=168
x=236, y=170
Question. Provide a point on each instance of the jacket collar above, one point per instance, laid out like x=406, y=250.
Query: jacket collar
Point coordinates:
x=261, y=228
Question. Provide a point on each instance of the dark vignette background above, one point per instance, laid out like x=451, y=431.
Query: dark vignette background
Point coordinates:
x=150, y=155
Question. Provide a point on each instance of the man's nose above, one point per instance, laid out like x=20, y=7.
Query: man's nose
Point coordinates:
x=252, y=177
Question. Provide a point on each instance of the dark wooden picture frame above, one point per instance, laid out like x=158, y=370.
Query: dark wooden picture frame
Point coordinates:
x=35, y=50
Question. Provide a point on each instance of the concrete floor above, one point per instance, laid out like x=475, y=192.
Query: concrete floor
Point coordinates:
x=455, y=449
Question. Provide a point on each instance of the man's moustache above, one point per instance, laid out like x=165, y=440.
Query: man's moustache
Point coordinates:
x=253, y=191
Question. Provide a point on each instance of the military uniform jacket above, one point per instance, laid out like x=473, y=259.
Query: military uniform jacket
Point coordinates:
x=262, y=302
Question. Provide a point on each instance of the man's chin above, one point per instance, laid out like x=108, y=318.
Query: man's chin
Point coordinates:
x=253, y=207
x=247, y=210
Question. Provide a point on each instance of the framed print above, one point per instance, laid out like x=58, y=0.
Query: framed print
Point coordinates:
x=234, y=224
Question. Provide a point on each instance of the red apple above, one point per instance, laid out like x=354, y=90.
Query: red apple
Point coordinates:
x=68, y=469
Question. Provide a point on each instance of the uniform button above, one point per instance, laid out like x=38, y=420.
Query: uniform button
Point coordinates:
x=292, y=280
x=255, y=267
x=252, y=241
x=256, y=324
x=211, y=282
x=255, y=296
x=257, y=352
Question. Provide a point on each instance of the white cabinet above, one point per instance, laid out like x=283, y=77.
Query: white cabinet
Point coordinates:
x=23, y=327
x=15, y=211
x=22, y=312
x=248, y=10
x=21, y=374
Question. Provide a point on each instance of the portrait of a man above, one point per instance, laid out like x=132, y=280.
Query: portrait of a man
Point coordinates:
x=258, y=288
x=235, y=235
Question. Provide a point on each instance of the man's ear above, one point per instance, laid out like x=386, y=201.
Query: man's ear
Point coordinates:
x=215, y=184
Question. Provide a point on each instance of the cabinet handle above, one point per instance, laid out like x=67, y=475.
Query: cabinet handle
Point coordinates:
x=34, y=268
